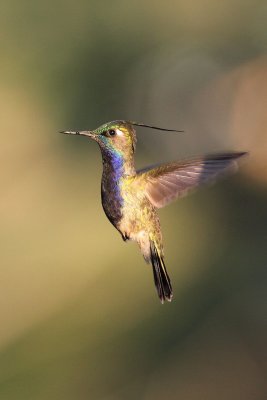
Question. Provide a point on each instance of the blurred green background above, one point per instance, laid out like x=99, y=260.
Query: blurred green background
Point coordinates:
x=80, y=318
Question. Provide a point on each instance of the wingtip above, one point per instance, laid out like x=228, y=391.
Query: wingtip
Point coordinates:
x=242, y=154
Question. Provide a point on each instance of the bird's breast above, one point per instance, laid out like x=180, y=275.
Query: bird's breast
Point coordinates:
x=112, y=199
x=138, y=214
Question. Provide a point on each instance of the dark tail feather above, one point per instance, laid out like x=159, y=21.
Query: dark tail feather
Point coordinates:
x=161, y=277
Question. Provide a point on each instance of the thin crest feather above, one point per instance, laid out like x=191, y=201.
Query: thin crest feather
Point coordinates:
x=153, y=127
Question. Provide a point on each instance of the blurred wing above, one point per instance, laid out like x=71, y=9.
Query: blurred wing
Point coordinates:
x=165, y=183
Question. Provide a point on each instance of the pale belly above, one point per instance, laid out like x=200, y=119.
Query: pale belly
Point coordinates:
x=139, y=220
x=130, y=211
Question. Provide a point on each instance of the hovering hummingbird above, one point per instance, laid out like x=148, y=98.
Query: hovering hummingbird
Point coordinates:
x=131, y=198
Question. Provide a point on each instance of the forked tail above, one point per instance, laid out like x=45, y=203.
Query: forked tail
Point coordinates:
x=161, y=277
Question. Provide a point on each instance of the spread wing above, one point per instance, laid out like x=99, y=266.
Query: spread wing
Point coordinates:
x=165, y=183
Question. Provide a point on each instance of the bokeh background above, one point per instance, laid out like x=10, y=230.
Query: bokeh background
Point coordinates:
x=80, y=318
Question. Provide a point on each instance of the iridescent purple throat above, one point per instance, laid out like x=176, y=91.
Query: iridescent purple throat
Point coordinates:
x=111, y=193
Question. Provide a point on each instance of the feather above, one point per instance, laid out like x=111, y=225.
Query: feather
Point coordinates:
x=167, y=182
x=161, y=277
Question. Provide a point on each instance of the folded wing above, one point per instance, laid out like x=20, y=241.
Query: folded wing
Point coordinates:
x=165, y=183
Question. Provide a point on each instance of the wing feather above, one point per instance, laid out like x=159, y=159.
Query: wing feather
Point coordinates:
x=165, y=183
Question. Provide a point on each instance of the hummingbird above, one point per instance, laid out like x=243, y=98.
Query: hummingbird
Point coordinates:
x=130, y=197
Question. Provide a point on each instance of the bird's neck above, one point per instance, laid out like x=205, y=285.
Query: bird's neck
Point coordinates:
x=118, y=164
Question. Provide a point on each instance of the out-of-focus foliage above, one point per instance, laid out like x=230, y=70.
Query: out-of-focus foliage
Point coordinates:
x=80, y=318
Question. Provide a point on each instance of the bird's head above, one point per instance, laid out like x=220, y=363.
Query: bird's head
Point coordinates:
x=115, y=136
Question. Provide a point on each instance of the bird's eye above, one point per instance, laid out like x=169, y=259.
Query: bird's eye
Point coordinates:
x=112, y=132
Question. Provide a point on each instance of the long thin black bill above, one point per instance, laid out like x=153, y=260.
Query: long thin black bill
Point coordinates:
x=70, y=132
